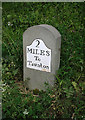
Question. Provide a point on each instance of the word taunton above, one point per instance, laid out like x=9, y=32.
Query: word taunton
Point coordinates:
x=40, y=65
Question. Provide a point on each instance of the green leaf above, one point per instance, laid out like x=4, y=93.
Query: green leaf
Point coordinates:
x=75, y=86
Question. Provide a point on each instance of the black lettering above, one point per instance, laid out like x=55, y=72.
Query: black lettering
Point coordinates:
x=29, y=50
x=40, y=65
x=42, y=52
x=47, y=53
x=46, y=67
x=34, y=51
x=38, y=43
x=37, y=51
x=37, y=58
x=34, y=64
x=29, y=62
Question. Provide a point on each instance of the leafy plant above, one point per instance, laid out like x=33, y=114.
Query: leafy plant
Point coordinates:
x=66, y=99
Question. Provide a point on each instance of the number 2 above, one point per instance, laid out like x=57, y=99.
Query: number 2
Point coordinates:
x=38, y=43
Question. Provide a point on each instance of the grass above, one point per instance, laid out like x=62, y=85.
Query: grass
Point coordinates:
x=66, y=99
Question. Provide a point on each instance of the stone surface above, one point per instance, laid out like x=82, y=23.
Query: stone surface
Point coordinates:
x=46, y=35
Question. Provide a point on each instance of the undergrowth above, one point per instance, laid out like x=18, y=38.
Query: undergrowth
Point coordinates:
x=66, y=99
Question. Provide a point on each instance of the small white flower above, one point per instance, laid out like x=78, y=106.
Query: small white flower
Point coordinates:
x=25, y=112
x=9, y=23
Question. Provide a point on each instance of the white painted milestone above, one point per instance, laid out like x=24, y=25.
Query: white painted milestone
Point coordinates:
x=38, y=56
